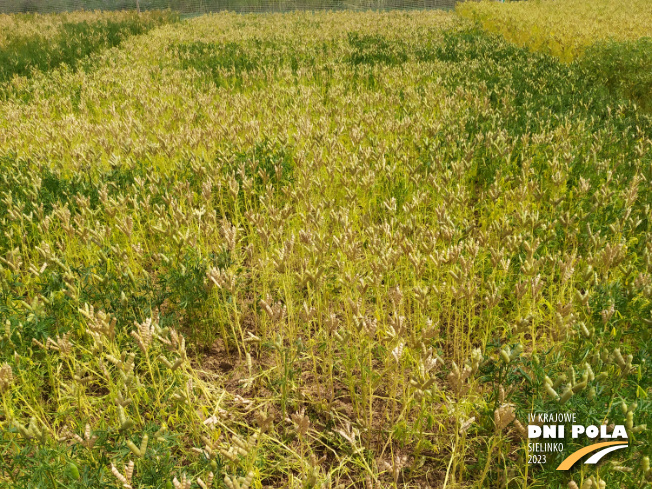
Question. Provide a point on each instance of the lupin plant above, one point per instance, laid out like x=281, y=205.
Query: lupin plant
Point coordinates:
x=319, y=250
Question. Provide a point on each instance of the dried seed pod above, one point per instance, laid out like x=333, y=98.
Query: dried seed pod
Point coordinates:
x=208, y=483
x=585, y=331
x=521, y=430
x=503, y=416
x=6, y=377
x=172, y=366
x=144, y=334
x=126, y=478
x=184, y=483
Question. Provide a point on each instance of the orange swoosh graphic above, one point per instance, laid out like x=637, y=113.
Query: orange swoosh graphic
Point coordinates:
x=575, y=456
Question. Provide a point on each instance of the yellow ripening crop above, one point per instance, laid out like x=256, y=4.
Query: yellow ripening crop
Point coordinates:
x=46, y=26
x=563, y=28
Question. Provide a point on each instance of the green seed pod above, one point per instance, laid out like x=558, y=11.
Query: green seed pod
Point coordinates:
x=629, y=421
x=214, y=465
x=567, y=394
x=589, y=372
x=560, y=380
x=504, y=356
x=125, y=422
x=571, y=375
x=515, y=352
x=602, y=376
x=584, y=330
x=130, y=274
x=591, y=393
x=604, y=354
x=645, y=464
x=619, y=358
x=579, y=386
x=623, y=407
x=639, y=428
x=633, y=406
x=134, y=449
x=143, y=445
x=72, y=471
x=168, y=485
x=551, y=391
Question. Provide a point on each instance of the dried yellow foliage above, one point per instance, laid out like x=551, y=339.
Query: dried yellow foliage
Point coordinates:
x=563, y=28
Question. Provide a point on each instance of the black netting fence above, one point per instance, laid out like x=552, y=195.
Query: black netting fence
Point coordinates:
x=205, y=6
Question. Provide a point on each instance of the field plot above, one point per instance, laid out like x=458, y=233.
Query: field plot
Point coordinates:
x=565, y=28
x=42, y=42
x=612, y=41
x=319, y=250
